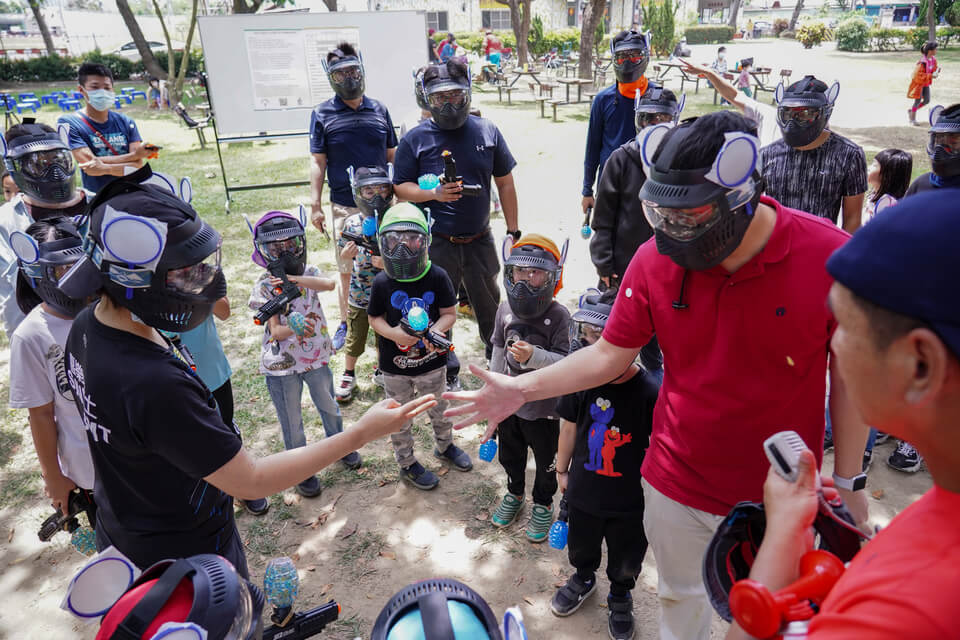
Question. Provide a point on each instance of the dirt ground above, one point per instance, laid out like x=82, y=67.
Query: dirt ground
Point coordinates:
x=368, y=534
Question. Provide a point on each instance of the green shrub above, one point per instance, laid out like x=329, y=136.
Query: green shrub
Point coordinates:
x=780, y=25
x=788, y=34
x=813, y=34
x=562, y=38
x=853, y=34
x=195, y=64
x=709, y=34
x=659, y=19
x=884, y=39
x=952, y=14
x=120, y=67
x=43, y=69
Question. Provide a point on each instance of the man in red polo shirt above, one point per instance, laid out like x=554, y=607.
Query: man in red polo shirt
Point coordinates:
x=735, y=288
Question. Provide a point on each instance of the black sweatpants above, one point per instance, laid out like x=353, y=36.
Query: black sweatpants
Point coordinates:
x=626, y=547
x=476, y=267
x=515, y=435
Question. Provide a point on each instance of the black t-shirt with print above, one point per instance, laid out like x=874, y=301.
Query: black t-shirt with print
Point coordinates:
x=389, y=298
x=613, y=431
x=155, y=433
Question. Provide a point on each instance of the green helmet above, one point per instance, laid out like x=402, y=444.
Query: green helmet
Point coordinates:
x=404, y=237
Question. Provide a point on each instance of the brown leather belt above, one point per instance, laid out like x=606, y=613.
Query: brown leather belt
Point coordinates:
x=462, y=239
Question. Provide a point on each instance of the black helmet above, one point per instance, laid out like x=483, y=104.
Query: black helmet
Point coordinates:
x=344, y=67
x=201, y=592
x=447, y=89
x=593, y=311
x=152, y=254
x=438, y=609
x=528, y=298
x=418, y=88
x=630, y=51
x=944, y=156
x=43, y=261
x=39, y=161
x=804, y=108
x=656, y=100
x=277, y=227
x=381, y=181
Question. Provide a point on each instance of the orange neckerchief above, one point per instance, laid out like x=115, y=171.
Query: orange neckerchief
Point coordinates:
x=630, y=90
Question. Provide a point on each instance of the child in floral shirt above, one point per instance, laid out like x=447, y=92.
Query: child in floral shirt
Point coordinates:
x=289, y=359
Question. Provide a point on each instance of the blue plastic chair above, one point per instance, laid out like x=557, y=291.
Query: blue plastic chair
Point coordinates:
x=27, y=105
x=77, y=95
x=69, y=105
x=49, y=98
x=29, y=95
x=136, y=92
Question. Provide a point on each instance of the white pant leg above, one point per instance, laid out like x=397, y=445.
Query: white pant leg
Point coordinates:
x=679, y=536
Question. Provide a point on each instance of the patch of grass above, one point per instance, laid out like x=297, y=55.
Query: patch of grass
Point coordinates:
x=352, y=627
x=261, y=537
x=483, y=494
x=280, y=510
x=10, y=441
x=19, y=487
x=359, y=550
x=376, y=470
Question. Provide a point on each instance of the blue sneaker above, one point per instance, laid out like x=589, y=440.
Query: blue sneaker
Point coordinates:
x=419, y=477
x=455, y=456
x=340, y=337
x=257, y=507
x=352, y=460
x=310, y=488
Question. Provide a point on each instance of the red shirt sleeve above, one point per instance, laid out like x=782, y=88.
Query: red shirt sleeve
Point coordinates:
x=631, y=325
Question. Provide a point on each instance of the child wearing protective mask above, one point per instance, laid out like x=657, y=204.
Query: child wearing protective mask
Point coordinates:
x=531, y=331
x=104, y=142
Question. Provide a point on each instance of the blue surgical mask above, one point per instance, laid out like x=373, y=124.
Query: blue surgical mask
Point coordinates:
x=101, y=99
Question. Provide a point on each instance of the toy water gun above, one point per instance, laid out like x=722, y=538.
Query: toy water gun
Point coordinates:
x=284, y=293
x=416, y=322
x=153, y=149
x=450, y=175
x=367, y=238
x=281, y=584
x=78, y=502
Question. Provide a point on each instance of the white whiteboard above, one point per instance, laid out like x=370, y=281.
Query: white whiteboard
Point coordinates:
x=265, y=73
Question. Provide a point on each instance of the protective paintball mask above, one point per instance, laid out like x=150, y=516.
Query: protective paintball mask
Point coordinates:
x=346, y=75
x=532, y=274
x=944, y=145
x=656, y=106
x=630, y=56
x=42, y=264
x=40, y=163
x=804, y=109
x=448, y=98
x=699, y=216
x=280, y=239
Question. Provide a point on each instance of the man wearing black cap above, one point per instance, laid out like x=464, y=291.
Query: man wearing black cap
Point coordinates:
x=39, y=160
x=944, y=152
x=812, y=168
x=898, y=349
x=461, y=239
x=734, y=288
x=611, y=115
x=348, y=130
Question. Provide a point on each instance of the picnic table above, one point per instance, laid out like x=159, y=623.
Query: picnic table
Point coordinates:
x=570, y=67
x=666, y=67
x=568, y=82
x=761, y=76
x=518, y=73
x=685, y=76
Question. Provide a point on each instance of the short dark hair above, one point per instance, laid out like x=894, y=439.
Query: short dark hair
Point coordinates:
x=896, y=167
x=18, y=130
x=928, y=47
x=708, y=131
x=886, y=326
x=342, y=50
x=457, y=70
x=88, y=69
x=721, y=49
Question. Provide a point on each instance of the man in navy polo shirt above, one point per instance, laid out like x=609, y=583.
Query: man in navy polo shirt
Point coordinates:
x=348, y=130
x=105, y=144
x=462, y=243
x=735, y=289
x=611, y=115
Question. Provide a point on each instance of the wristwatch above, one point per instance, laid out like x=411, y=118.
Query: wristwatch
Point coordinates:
x=856, y=483
x=516, y=235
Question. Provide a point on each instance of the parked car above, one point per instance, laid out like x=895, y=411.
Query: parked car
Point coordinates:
x=130, y=52
x=762, y=28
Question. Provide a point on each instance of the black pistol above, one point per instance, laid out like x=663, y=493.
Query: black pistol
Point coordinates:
x=284, y=294
x=78, y=502
x=450, y=175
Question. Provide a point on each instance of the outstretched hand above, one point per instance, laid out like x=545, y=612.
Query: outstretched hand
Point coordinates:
x=693, y=68
x=498, y=398
x=388, y=416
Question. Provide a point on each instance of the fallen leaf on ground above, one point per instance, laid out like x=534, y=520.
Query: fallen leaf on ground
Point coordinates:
x=389, y=555
x=444, y=471
x=10, y=537
x=312, y=567
x=558, y=571
x=481, y=517
x=382, y=483
x=209, y=174
x=325, y=589
x=348, y=531
x=519, y=580
x=362, y=471
x=295, y=557
x=291, y=499
x=528, y=600
x=877, y=494
x=559, y=584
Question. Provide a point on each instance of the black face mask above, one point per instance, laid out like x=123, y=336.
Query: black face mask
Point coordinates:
x=944, y=163
x=292, y=264
x=800, y=135
x=715, y=245
x=450, y=117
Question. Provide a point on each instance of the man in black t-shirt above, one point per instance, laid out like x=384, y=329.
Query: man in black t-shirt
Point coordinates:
x=166, y=464
x=412, y=366
x=812, y=168
x=604, y=434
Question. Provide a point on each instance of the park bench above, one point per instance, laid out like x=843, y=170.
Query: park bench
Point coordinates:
x=554, y=103
x=761, y=79
x=69, y=104
x=501, y=88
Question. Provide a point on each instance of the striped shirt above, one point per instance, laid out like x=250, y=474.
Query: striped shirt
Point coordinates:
x=817, y=180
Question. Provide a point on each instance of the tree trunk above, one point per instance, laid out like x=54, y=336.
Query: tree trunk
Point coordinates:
x=795, y=16
x=149, y=60
x=42, y=25
x=173, y=95
x=331, y=5
x=185, y=60
x=523, y=35
x=734, y=11
x=932, y=20
x=592, y=15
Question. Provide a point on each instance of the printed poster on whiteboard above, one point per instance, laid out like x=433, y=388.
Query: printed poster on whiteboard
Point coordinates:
x=286, y=65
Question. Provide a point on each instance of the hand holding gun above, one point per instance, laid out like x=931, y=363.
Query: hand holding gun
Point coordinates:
x=450, y=175
x=284, y=294
x=281, y=586
x=367, y=242
x=416, y=322
x=153, y=149
x=78, y=502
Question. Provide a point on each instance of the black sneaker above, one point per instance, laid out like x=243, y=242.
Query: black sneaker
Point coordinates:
x=310, y=488
x=905, y=458
x=827, y=443
x=453, y=384
x=455, y=456
x=867, y=460
x=570, y=596
x=620, y=619
x=351, y=460
x=257, y=507
x=419, y=477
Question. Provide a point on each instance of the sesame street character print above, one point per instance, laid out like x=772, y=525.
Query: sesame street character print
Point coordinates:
x=602, y=413
x=611, y=441
x=418, y=354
